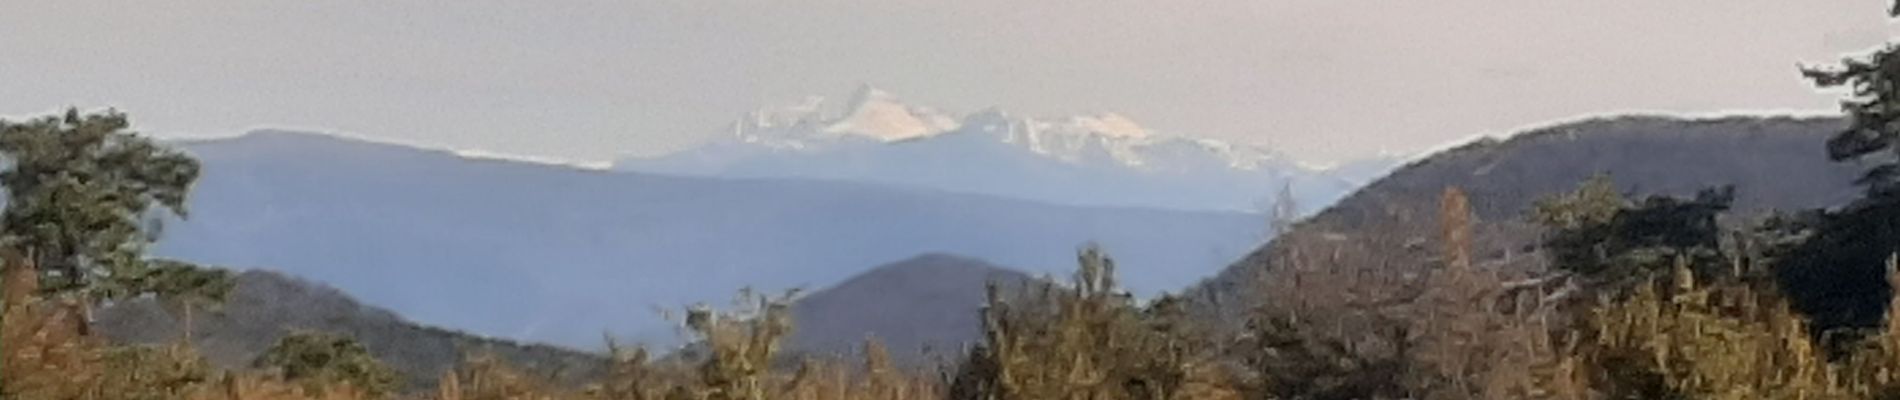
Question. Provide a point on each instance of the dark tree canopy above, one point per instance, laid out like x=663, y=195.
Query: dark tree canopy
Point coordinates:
x=1834, y=267
x=1834, y=271
x=1598, y=234
x=185, y=284
x=83, y=194
x=315, y=359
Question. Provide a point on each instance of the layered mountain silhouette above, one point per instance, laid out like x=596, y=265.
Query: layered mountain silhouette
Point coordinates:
x=564, y=255
x=924, y=309
x=921, y=307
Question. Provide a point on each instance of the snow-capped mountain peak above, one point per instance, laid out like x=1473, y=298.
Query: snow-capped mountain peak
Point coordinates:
x=1129, y=144
x=876, y=114
x=1111, y=125
x=787, y=127
x=879, y=116
x=1093, y=159
x=809, y=110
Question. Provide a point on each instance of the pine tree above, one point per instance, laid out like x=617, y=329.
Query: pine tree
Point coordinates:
x=83, y=192
x=81, y=196
x=1833, y=271
x=1873, y=109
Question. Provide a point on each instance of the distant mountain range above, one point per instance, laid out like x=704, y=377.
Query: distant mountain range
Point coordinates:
x=1104, y=160
x=563, y=255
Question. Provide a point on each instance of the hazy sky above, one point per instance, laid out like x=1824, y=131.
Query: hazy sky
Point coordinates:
x=1323, y=79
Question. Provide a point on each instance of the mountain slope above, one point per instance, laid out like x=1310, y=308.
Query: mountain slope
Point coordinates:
x=265, y=306
x=921, y=308
x=1774, y=163
x=1105, y=159
x=548, y=253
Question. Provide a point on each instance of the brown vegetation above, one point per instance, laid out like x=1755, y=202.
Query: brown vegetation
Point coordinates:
x=1342, y=323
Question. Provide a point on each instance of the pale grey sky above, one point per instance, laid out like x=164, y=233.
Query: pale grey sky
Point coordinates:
x=1321, y=79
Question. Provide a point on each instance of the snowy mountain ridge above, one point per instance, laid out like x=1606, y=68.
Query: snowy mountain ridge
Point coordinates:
x=1099, y=159
x=877, y=115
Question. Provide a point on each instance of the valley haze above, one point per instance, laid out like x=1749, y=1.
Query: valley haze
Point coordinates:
x=439, y=237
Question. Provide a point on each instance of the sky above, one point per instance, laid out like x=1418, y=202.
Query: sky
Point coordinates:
x=1322, y=80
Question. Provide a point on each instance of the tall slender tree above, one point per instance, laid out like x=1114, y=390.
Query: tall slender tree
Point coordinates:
x=1284, y=211
x=188, y=288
